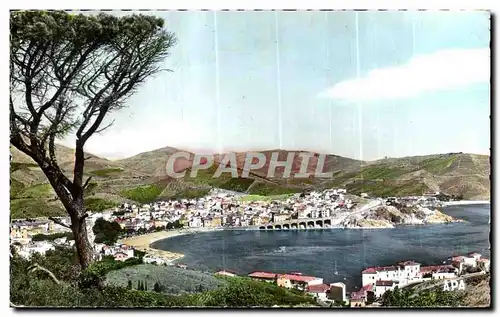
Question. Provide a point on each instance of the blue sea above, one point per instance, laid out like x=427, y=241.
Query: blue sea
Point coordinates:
x=317, y=252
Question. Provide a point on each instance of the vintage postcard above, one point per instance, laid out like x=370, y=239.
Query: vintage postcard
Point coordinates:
x=311, y=158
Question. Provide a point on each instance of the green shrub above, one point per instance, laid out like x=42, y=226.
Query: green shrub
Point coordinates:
x=267, y=189
x=106, y=172
x=37, y=191
x=143, y=194
x=33, y=208
x=16, y=187
x=98, y=204
x=52, y=237
x=428, y=298
x=106, y=231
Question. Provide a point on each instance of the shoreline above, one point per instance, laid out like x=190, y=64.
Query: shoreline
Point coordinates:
x=144, y=242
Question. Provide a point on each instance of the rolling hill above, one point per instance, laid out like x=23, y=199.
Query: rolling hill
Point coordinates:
x=143, y=178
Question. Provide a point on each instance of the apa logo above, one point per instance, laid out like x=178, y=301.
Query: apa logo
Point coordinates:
x=453, y=285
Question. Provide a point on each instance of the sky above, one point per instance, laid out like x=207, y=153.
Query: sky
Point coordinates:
x=363, y=85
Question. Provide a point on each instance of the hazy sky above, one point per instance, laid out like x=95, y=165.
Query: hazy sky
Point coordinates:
x=407, y=84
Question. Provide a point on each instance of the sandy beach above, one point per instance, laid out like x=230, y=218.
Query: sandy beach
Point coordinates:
x=144, y=242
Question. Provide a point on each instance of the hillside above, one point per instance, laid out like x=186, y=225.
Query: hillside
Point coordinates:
x=143, y=178
x=477, y=292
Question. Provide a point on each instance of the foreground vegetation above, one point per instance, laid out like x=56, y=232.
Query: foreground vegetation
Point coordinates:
x=477, y=293
x=69, y=287
x=172, y=280
x=429, y=298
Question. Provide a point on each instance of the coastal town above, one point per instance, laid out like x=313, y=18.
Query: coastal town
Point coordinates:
x=142, y=225
x=332, y=208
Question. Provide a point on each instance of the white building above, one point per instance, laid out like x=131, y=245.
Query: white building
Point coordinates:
x=411, y=270
x=461, y=262
x=386, y=273
x=196, y=222
x=387, y=277
x=152, y=259
x=383, y=286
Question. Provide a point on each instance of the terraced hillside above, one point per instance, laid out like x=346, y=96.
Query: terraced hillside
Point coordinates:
x=143, y=178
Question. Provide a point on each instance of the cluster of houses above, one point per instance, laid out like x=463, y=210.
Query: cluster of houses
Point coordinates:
x=314, y=286
x=375, y=280
x=378, y=280
x=224, y=209
x=430, y=200
x=218, y=209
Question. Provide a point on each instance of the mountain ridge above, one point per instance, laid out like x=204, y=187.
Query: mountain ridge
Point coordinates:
x=143, y=177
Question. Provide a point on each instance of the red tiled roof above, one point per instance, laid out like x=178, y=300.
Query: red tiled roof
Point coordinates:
x=459, y=258
x=484, y=260
x=291, y=277
x=384, y=283
x=299, y=278
x=321, y=288
x=372, y=270
x=474, y=253
x=436, y=268
x=367, y=288
x=262, y=275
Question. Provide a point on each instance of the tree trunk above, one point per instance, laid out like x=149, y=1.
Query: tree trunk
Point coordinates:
x=83, y=246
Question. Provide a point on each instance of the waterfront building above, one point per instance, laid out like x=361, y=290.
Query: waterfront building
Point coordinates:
x=461, y=262
x=387, y=277
x=438, y=272
x=195, y=222
x=148, y=258
x=411, y=270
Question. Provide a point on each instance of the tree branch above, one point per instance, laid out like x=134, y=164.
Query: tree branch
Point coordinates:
x=59, y=222
x=37, y=267
x=87, y=182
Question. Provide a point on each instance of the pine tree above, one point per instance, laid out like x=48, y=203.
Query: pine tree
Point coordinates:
x=156, y=287
x=129, y=285
x=145, y=285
